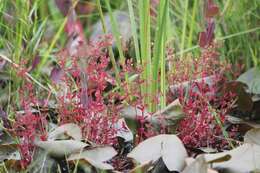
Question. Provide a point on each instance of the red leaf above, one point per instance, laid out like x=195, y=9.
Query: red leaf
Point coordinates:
x=85, y=7
x=212, y=11
x=56, y=75
x=35, y=62
x=75, y=32
x=206, y=38
x=202, y=39
x=64, y=6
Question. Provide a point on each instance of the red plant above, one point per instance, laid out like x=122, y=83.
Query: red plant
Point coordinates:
x=206, y=37
x=28, y=125
x=81, y=100
x=200, y=99
x=205, y=111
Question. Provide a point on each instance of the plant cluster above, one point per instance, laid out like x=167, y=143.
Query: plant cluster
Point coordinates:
x=79, y=93
x=197, y=84
x=90, y=84
x=203, y=103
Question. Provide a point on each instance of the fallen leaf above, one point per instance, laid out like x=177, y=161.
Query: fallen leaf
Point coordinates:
x=208, y=149
x=252, y=79
x=209, y=80
x=253, y=136
x=236, y=120
x=198, y=165
x=61, y=148
x=189, y=160
x=123, y=130
x=96, y=156
x=9, y=152
x=212, y=171
x=132, y=113
x=70, y=129
x=169, y=147
x=142, y=168
x=244, y=158
x=174, y=109
x=2, y=64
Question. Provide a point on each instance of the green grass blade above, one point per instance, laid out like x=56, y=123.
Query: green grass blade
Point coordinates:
x=184, y=26
x=159, y=52
x=145, y=45
x=134, y=31
x=194, y=12
x=50, y=48
x=111, y=54
x=116, y=33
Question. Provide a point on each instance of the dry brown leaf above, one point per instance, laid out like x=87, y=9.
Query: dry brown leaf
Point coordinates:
x=169, y=147
x=142, y=168
x=244, y=158
x=253, y=136
x=198, y=165
x=70, y=129
x=61, y=148
x=96, y=156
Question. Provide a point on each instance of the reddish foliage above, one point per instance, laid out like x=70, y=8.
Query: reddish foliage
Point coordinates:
x=64, y=6
x=80, y=100
x=206, y=37
x=86, y=106
x=56, y=75
x=28, y=125
x=205, y=111
x=82, y=77
x=199, y=128
x=211, y=9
